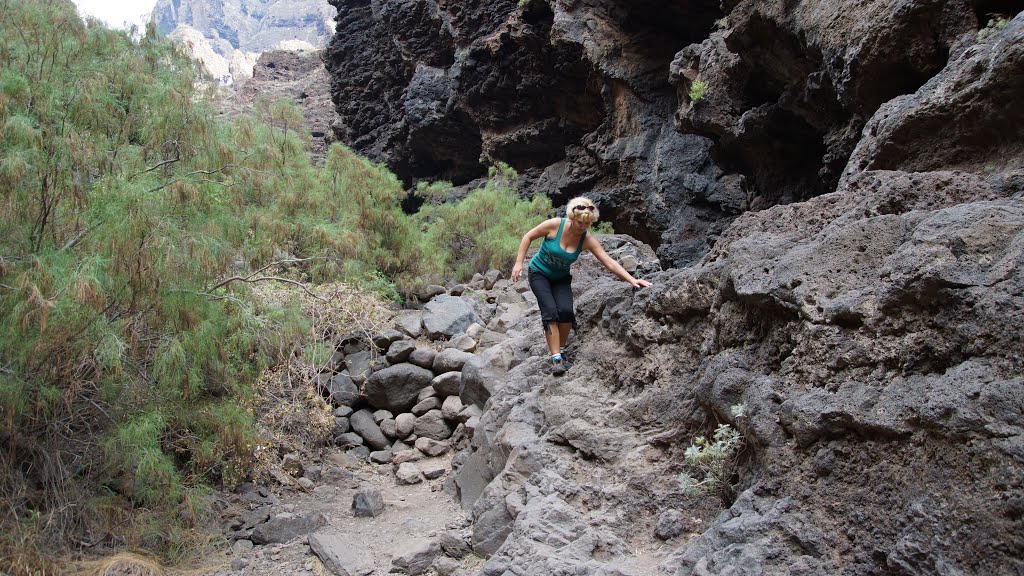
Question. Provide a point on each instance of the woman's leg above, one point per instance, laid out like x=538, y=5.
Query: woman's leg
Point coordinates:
x=562, y=292
x=542, y=289
x=563, y=333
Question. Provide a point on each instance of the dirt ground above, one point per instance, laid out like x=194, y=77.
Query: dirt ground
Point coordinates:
x=410, y=511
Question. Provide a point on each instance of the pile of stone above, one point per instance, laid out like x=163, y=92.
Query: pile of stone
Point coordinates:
x=417, y=390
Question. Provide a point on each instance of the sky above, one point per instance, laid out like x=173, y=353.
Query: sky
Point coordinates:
x=115, y=12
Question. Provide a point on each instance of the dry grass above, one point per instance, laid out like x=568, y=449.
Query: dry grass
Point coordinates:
x=123, y=564
x=292, y=413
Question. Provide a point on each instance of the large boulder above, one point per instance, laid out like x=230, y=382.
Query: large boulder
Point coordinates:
x=396, y=388
x=446, y=316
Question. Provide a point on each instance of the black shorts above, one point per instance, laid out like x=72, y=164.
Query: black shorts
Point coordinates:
x=554, y=298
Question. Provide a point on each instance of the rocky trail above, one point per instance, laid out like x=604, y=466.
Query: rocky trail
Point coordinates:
x=387, y=497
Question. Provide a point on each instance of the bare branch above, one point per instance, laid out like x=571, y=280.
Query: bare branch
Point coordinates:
x=155, y=166
x=249, y=280
x=71, y=244
x=278, y=263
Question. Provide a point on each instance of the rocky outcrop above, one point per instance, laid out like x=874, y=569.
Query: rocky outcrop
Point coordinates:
x=574, y=96
x=595, y=97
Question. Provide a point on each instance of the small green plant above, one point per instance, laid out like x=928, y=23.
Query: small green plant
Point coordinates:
x=995, y=24
x=523, y=3
x=722, y=23
x=708, y=459
x=697, y=90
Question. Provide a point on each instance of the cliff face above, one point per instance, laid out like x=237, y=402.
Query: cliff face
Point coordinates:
x=593, y=96
x=848, y=193
x=229, y=35
x=249, y=25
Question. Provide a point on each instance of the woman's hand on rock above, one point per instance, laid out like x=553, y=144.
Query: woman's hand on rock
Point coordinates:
x=637, y=283
x=517, y=272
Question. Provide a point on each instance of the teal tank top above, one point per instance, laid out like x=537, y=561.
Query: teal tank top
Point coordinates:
x=551, y=260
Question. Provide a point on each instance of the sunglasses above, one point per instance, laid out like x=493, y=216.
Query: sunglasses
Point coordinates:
x=582, y=207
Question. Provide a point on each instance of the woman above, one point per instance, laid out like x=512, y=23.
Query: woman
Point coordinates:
x=564, y=240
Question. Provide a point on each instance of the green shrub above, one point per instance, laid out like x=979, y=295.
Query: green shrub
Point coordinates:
x=708, y=460
x=483, y=230
x=125, y=212
x=995, y=24
x=697, y=90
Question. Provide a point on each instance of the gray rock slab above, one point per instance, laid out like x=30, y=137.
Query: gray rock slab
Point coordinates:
x=340, y=555
x=286, y=527
x=414, y=556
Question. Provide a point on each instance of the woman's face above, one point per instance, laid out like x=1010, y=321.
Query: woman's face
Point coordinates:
x=579, y=225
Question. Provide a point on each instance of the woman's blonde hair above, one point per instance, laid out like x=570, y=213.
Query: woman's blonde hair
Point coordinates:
x=575, y=210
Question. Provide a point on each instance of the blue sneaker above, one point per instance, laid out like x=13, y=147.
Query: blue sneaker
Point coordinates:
x=558, y=366
x=565, y=360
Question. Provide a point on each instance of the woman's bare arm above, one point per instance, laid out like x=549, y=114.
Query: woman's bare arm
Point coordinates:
x=610, y=263
x=541, y=230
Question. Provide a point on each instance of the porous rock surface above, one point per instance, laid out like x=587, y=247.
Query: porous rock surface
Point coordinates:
x=594, y=97
x=865, y=344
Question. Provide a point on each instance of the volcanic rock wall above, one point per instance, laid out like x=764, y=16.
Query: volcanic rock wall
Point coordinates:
x=593, y=96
